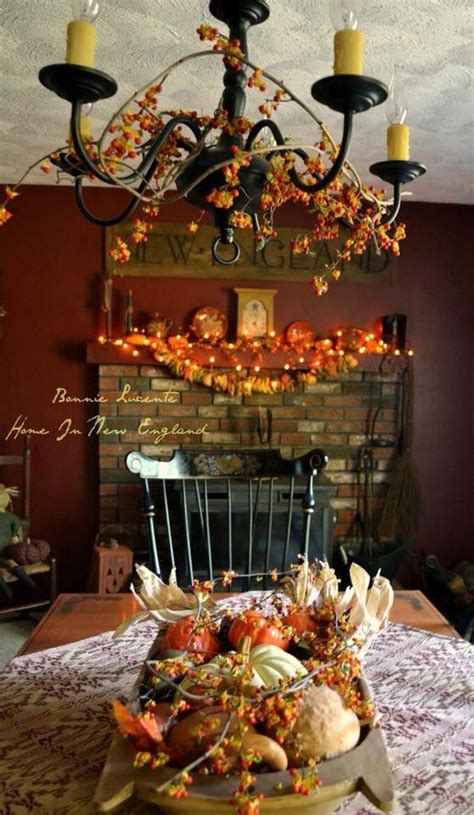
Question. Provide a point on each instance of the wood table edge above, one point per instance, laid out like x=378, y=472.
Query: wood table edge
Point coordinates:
x=30, y=644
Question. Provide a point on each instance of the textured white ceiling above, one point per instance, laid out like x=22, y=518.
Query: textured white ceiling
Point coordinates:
x=430, y=42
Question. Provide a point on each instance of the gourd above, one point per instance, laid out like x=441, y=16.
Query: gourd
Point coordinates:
x=182, y=636
x=269, y=665
x=302, y=622
x=261, y=631
x=187, y=740
x=324, y=728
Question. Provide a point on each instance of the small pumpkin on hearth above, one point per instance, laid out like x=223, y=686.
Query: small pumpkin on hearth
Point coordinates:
x=191, y=635
x=260, y=629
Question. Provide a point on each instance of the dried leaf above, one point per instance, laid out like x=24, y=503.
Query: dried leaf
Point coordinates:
x=164, y=603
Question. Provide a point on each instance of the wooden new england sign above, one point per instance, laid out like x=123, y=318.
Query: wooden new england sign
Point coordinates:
x=172, y=252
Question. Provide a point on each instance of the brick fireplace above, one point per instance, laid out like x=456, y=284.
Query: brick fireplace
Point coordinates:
x=145, y=408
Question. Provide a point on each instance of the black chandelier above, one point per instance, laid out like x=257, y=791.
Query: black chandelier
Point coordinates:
x=347, y=92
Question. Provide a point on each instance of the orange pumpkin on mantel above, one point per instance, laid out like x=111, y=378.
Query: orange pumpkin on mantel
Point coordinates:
x=261, y=631
x=182, y=636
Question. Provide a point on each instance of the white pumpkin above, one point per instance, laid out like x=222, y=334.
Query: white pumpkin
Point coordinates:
x=269, y=663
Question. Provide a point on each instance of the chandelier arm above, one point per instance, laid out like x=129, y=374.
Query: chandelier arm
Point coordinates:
x=79, y=196
x=131, y=206
x=395, y=207
x=87, y=163
x=336, y=167
x=264, y=124
x=148, y=161
x=157, y=142
x=277, y=135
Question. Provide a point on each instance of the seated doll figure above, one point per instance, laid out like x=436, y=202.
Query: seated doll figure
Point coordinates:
x=10, y=532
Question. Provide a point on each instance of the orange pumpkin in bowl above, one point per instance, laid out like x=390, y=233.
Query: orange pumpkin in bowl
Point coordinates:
x=301, y=621
x=260, y=629
x=188, y=635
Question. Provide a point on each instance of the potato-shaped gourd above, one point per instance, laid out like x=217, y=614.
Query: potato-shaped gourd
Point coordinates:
x=196, y=733
x=325, y=727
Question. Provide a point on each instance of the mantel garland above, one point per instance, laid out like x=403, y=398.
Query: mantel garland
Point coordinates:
x=306, y=364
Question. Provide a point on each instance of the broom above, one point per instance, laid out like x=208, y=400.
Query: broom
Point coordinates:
x=400, y=514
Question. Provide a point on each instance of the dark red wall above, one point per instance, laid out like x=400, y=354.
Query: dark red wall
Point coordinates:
x=51, y=258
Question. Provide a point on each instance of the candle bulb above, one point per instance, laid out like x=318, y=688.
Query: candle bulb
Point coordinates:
x=81, y=33
x=85, y=123
x=398, y=133
x=348, y=40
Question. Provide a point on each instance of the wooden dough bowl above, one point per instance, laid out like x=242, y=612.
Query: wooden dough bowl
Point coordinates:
x=365, y=768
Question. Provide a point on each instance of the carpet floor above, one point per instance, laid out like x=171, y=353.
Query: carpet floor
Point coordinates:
x=13, y=633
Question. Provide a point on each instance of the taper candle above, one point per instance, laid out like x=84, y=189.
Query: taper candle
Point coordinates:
x=398, y=142
x=398, y=133
x=348, y=41
x=348, y=52
x=129, y=312
x=81, y=33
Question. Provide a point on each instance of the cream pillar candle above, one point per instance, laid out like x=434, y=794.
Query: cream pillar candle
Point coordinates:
x=348, y=51
x=398, y=142
x=81, y=40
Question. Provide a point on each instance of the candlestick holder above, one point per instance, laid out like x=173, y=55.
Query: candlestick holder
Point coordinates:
x=397, y=172
x=347, y=93
x=77, y=83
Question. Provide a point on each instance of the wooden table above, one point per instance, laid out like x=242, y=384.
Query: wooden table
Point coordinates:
x=73, y=617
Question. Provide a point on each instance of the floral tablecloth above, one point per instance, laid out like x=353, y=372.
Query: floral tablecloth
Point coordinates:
x=56, y=727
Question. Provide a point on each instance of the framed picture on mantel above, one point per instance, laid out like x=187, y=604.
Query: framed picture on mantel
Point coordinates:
x=254, y=312
x=171, y=251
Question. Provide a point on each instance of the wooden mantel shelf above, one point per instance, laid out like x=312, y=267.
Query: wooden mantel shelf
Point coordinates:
x=109, y=354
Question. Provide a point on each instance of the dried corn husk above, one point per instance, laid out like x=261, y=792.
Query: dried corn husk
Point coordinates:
x=368, y=607
x=312, y=585
x=163, y=602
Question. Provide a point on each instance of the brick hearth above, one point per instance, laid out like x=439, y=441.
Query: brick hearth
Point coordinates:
x=334, y=415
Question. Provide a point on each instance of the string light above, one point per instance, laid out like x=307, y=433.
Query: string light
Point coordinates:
x=328, y=359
